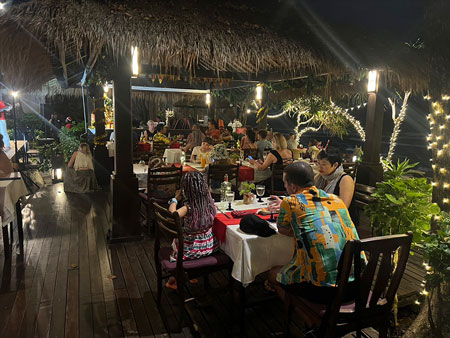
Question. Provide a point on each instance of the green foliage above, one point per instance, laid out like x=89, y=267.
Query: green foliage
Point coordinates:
x=403, y=203
x=437, y=252
x=70, y=139
x=401, y=169
x=49, y=152
x=247, y=188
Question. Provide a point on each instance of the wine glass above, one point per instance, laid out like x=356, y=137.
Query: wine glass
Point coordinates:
x=260, y=190
x=241, y=156
x=229, y=197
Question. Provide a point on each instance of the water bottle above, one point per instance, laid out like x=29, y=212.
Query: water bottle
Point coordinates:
x=224, y=188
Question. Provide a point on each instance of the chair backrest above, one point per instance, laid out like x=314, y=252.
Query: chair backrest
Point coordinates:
x=362, y=196
x=163, y=182
x=159, y=147
x=277, y=175
x=217, y=173
x=350, y=168
x=168, y=223
x=375, y=285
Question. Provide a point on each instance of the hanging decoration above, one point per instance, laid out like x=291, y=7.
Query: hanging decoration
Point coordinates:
x=397, y=123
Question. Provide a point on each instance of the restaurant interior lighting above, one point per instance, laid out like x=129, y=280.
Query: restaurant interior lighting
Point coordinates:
x=134, y=61
x=2, y=5
x=15, y=94
x=372, y=84
x=208, y=99
x=259, y=91
x=106, y=87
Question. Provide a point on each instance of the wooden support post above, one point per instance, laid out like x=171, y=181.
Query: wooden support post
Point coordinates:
x=124, y=184
x=370, y=170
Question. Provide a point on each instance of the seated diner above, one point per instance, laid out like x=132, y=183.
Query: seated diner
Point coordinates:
x=310, y=216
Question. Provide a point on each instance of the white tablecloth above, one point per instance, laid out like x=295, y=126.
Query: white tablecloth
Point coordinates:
x=172, y=155
x=10, y=192
x=141, y=172
x=252, y=254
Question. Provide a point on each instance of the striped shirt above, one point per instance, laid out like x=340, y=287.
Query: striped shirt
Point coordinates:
x=321, y=226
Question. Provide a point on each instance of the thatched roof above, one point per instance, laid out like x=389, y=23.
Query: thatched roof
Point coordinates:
x=215, y=35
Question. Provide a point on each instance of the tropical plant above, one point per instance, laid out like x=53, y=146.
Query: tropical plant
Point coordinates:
x=49, y=152
x=70, y=139
x=247, y=188
x=403, y=203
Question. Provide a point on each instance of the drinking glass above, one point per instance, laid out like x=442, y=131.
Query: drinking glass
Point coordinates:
x=141, y=162
x=260, y=190
x=229, y=197
x=241, y=156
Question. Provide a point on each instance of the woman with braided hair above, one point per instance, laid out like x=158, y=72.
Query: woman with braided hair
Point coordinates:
x=198, y=213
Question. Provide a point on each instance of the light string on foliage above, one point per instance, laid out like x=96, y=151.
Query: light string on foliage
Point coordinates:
x=397, y=123
x=350, y=118
x=439, y=145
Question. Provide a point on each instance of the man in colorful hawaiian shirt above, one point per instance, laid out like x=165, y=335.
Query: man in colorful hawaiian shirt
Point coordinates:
x=321, y=225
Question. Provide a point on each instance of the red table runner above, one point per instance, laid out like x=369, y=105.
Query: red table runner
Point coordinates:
x=246, y=174
x=221, y=222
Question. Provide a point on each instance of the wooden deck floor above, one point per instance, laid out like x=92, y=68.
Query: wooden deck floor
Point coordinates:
x=70, y=283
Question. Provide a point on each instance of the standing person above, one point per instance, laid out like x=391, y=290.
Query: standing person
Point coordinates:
x=292, y=142
x=151, y=131
x=263, y=144
x=3, y=129
x=332, y=177
x=320, y=225
x=68, y=122
x=212, y=131
x=197, y=212
x=194, y=139
x=80, y=177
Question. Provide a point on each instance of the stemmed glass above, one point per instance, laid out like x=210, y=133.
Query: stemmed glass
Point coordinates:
x=260, y=190
x=229, y=197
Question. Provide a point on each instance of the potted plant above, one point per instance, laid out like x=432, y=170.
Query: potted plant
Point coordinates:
x=246, y=191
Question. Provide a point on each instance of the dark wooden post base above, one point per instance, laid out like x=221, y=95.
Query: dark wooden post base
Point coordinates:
x=125, y=210
x=369, y=173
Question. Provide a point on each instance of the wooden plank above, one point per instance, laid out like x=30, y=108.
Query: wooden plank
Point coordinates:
x=98, y=301
x=29, y=291
x=72, y=313
x=111, y=309
x=126, y=314
x=144, y=289
x=140, y=315
x=86, y=319
x=59, y=298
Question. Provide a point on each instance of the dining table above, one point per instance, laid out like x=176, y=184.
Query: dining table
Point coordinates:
x=12, y=188
x=251, y=254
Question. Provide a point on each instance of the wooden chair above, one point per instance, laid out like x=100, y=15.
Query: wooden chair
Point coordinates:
x=350, y=168
x=170, y=224
x=361, y=198
x=159, y=147
x=216, y=173
x=162, y=183
x=372, y=291
x=277, y=176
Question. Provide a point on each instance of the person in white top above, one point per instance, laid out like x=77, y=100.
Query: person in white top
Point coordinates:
x=81, y=159
x=80, y=177
x=205, y=150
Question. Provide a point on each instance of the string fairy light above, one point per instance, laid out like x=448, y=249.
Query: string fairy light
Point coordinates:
x=397, y=123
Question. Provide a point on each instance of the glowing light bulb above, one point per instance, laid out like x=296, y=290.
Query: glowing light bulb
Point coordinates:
x=434, y=184
x=433, y=166
x=442, y=126
x=442, y=170
x=446, y=185
x=445, y=201
x=440, y=152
